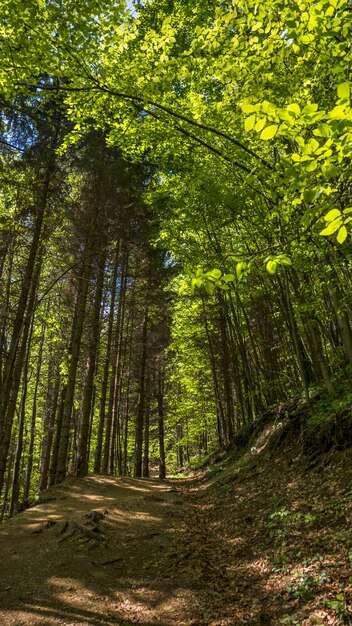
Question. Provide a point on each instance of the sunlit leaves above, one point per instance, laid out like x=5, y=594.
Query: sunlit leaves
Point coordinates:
x=269, y=132
x=332, y=215
x=273, y=73
x=343, y=91
x=211, y=279
x=337, y=221
x=271, y=263
x=332, y=227
x=249, y=123
x=271, y=266
x=342, y=234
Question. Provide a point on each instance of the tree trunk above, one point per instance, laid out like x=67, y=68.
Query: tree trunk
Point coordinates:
x=110, y=418
x=50, y=408
x=82, y=467
x=296, y=340
x=104, y=386
x=33, y=418
x=30, y=273
x=160, y=400
x=141, y=405
x=146, y=432
x=16, y=375
x=21, y=419
x=78, y=323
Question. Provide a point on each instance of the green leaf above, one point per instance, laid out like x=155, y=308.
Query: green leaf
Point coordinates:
x=314, y=144
x=269, y=132
x=323, y=130
x=309, y=195
x=329, y=170
x=310, y=108
x=209, y=287
x=227, y=278
x=260, y=125
x=294, y=108
x=343, y=91
x=249, y=123
x=341, y=236
x=271, y=267
x=240, y=267
x=333, y=226
x=284, y=260
x=214, y=273
x=332, y=215
x=338, y=113
x=312, y=166
x=248, y=108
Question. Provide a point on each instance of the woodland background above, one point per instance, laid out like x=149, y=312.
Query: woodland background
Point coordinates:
x=175, y=228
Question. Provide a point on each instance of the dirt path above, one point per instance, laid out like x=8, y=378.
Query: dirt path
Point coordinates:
x=230, y=552
x=98, y=551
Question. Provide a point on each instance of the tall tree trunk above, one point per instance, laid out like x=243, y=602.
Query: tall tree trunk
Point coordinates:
x=110, y=430
x=21, y=419
x=180, y=454
x=51, y=402
x=82, y=468
x=146, y=431
x=30, y=273
x=16, y=375
x=221, y=428
x=34, y=417
x=4, y=314
x=56, y=444
x=78, y=323
x=226, y=368
x=128, y=386
x=342, y=320
x=295, y=336
x=107, y=362
x=141, y=404
x=160, y=401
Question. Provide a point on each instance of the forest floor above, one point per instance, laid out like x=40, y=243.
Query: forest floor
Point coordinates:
x=257, y=539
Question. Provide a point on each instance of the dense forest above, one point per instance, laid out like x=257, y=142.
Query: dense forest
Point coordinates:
x=175, y=228
x=175, y=312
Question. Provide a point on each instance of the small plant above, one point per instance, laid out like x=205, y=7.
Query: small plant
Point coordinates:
x=301, y=587
x=283, y=520
x=339, y=605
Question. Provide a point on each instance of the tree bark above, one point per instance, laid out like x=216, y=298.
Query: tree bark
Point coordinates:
x=160, y=401
x=83, y=455
x=107, y=362
x=78, y=323
x=141, y=405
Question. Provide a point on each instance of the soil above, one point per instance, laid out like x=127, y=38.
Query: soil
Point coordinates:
x=253, y=540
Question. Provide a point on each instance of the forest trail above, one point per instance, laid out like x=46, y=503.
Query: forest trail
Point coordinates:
x=97, y=550
x=257, y=543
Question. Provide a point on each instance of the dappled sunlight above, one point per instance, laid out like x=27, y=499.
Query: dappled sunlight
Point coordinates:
x=78, y=600
x=247, y=554
x=104, y=560
x=260, y=566
x=235, y=541
x=124, y=515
